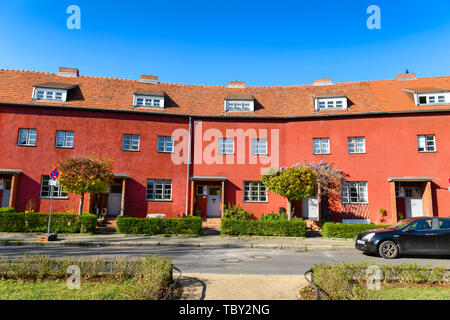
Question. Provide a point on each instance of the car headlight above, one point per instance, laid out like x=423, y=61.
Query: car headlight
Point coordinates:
x=369, y=236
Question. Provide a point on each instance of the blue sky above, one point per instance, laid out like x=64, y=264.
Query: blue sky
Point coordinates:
x=213, y=42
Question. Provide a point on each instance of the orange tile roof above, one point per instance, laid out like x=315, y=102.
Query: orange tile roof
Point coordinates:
x=198, y=100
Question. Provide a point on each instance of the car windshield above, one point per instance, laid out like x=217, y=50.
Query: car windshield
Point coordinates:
x=401, y=224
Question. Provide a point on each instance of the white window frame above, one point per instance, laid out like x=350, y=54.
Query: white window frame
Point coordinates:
x=422, y=142
x=322, y=144
x=259, y=147
x=433, y=98
x=58, y=192
x=165, y=142
x=261, y=190
x=134, y=142
x=362, y=192
x=204, y=190
x=238, y=105
x=31, y=137
x=331, y=103
x=52, y=92
x=66, y=139
x=358, y=144
x=226, y=146
x=148, y=101
x=152, y=187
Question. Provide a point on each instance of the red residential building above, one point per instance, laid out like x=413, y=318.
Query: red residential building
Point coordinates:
x=186, y=149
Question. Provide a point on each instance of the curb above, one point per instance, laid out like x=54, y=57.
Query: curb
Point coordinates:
x=289, y=247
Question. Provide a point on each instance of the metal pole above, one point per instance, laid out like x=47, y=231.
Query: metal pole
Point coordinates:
x=51, y=208
x=188, y=167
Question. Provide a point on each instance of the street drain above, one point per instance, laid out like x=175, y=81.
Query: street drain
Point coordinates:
x=231, y=260
x=261, y=257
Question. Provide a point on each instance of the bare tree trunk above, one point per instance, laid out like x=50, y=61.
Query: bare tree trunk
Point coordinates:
x=80, y=209
x=289, y=209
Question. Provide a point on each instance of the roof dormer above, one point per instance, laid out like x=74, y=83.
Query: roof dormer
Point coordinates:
x=330, y=102
x=429, y=95
x=51, y=91
x=149, y=99
x=239, y=103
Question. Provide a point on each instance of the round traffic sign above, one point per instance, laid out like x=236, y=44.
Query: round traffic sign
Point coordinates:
x=54, y=174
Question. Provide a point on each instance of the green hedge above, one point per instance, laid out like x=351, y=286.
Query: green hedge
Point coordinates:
x=38, y=222
x=292, y=228
x=188, y=225
x=343, y=230
x=7, y=210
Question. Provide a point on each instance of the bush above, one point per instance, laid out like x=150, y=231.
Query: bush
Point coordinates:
x=343, y=230
x=273, y=217
x=236, y=212
x=38, y=222
x=292, y=228
x=188, y=225
x=348, y=281
x=7, y=210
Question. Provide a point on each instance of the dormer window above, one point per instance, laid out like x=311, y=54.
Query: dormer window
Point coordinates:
x=239, y=103
x=56, y=92
x=330, y=103
x=428, y=96
x=437, y=98
x=149, y=99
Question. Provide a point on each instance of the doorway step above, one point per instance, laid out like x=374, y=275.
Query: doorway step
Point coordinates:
x=108, y=226
x=213, y=223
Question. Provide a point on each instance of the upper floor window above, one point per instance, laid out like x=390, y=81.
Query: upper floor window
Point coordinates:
x=226, y=146
x=354, y=192
x=27, y=137
x=356, y=145
x=332, y=103
x=64, y=139
x=321, y=146
x=426, y=143
x=159, y=190
x=433, y=98
x=58, y=192
x=165, y=144
x=46, y=94
x=255, y=191
x=130, y=142
x=259, y=146
x=239, y=106
x=240, y=102
x=149, y=99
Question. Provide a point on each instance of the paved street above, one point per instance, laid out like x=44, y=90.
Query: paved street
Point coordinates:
x=225, y=260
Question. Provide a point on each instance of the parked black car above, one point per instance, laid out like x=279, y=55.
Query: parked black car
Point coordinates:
x=415, y=235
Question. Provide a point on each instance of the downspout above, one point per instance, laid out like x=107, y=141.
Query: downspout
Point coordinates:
x=188, y=167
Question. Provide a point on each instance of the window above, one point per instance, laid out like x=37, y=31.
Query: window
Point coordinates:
x=226, y=146
x=259, y=146
x=427, y=143
x=239, y=105
x=130, y=142
x=321, y=146
x=159, y=190
x=399, y=192
x=165, y=144
x=423, y=225
x=444, y=223
x=354, y=192
x=27, y=137
x=201, y=190
x=50, y=94
x=254, y=191
x=433, y=98
x=64, y=139
x=147, y=101
x=356, y=145
x=331, y=103
x=45, y=189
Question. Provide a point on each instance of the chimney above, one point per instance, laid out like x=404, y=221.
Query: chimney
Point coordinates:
x=68, y=72
x=323, y=82
x=149, y=79
x=405, y=76
x=236, y=84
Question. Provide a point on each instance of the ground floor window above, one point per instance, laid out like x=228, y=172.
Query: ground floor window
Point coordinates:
x=354, y=192
x=58, y=192
x=255, y=191
x=159, y=190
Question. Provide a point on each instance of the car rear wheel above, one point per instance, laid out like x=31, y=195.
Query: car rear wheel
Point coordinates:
x=388, y=250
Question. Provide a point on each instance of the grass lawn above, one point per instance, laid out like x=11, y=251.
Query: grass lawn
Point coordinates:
x=57, y=290
x=412, y=293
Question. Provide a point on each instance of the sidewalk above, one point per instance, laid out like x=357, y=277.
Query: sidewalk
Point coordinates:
x=210, y=241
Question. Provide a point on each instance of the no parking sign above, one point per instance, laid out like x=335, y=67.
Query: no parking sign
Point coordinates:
x=54, y=174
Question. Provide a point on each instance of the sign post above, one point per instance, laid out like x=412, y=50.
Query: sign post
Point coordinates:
x=52, y=183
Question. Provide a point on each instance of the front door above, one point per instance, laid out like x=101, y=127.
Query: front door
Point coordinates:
x=413, y=202
x=6, y=192
x=310, y=208
x=114, y=199
x=213, y=209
